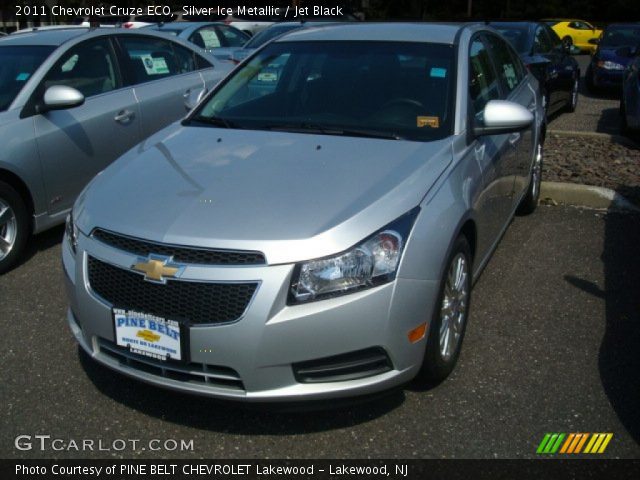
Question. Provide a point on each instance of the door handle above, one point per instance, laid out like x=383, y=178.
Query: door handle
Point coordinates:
x=513, y=139
x=124, y=116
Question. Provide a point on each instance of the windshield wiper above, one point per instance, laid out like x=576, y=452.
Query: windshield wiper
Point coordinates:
x=349, y=132
x=215, y=121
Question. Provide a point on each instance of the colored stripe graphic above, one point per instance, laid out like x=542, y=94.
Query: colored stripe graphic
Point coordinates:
x=573, y=443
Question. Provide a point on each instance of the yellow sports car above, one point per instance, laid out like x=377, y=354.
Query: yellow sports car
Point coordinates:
x=576, y=32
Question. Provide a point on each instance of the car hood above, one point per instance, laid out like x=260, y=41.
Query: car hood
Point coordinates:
x=292, y=196
x=611, y=54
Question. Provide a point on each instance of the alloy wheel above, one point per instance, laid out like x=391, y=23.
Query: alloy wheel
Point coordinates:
x=8, y=229
x=453, y=311
x=574, y=94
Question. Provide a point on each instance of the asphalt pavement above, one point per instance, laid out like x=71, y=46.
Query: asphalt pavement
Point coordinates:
x=552, y=346
x=596, y=112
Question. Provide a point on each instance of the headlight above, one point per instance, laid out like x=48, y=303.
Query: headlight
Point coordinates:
x=609, y=65
x=372, y=262
x=72, y=233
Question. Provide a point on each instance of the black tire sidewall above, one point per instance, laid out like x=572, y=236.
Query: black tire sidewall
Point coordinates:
x=15, y=201
x=528, y=203
x=434, y=367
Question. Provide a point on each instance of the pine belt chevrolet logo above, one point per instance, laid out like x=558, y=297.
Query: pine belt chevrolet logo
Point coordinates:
x=157, y=268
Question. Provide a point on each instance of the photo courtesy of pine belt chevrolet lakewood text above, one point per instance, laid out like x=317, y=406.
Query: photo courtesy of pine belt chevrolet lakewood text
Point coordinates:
x=313, y=228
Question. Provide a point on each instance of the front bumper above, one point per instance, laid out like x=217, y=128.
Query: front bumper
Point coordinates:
x=252, y=358
x=604, y=78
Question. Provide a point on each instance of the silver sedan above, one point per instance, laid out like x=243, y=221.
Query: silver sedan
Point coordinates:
x=313, y=228
x=72, y=100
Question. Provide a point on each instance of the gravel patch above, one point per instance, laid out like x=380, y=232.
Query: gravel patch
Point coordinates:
x=591, y=160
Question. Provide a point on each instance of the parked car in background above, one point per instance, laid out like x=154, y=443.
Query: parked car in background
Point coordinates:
x=217, y=39
x=269, y=34
x=250, y=24
x=613, y=55
x=71, y=102
x=576, y=32
x=313, y=234
x=549, y=59
x=630, y=101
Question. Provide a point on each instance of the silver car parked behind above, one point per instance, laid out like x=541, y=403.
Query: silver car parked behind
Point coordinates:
x=313, y=228
x=71, y=102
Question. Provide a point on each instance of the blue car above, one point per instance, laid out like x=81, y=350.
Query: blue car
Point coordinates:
x=549, y=59
x=630, y=102
x=214, y=38
x=612, y=56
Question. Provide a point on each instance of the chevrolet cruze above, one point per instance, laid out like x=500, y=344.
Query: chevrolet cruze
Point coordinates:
x=312, y=229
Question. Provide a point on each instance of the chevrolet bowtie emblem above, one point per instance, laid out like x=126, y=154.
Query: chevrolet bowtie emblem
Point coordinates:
x=157, y=269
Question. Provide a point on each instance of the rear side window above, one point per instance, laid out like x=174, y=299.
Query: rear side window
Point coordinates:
x=206, y=38
x=483, y=84
x=153, y=58
x=505, y=62
x=88, y=67
x=232, y=37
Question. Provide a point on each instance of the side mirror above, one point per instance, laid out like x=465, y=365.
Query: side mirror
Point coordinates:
x=192, y=98
x=60, y=97
x=501, y=116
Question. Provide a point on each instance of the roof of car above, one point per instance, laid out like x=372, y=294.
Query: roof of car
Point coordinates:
x=181, y=26
x=54, y=37
x=395, y=32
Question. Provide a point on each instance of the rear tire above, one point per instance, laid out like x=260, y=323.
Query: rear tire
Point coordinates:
x=529, y=202
x=449, y=320
x=14, y=226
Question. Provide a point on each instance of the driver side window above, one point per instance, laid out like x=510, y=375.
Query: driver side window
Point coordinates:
x=88, y=67
x=483, y=82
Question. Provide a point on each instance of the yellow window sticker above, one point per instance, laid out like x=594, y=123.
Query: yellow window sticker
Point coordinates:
x=433, y=122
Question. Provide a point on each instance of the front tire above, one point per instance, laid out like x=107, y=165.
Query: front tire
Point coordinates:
x=449, y=320
x=14, y=226
x=572, y=104
x=530, y=200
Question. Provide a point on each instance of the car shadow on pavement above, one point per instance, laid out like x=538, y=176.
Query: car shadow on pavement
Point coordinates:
x=619, y=355
x=234, y=417
x=39, y=243
x=609, y=121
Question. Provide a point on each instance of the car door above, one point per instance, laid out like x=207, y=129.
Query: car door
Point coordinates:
x=511, y=73
x=549, y=68
x=77, y=143
x=163, y=74
x=493, y=153
x=564, y=64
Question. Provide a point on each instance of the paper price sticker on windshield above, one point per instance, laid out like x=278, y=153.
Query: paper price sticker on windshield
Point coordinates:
x=433, y=122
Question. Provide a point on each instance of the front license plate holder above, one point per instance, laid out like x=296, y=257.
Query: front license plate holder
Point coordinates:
x=149, y=335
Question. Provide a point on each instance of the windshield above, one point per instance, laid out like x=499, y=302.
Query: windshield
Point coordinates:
x=517, y=35
x=268, y=34
x=395, y=90
x=621, y=36
x=17, y=64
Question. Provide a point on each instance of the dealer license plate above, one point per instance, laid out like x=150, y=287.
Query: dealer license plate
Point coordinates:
x=147, y=334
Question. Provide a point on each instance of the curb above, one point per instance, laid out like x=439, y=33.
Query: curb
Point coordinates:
x=621, y=139
x=585, y=195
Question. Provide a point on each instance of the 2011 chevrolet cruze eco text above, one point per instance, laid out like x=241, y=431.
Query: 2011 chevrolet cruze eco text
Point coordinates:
x=313, y=227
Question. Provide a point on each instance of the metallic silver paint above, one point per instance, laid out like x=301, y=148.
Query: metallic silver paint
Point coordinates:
x=275, y=192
